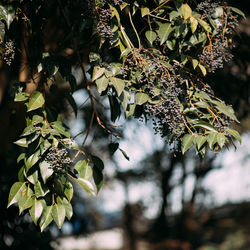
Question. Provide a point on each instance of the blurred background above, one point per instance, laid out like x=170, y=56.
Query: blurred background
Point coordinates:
x=158, y=199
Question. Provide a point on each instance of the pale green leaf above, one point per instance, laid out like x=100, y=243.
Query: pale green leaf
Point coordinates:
x=212, y=139
x=46, y=217
x=218, y=12
x=118, y=84
x=36, y=210
x=235, y=134
x=86, y=185
x=20, y=97
x=84, y=170
x=58, y=213
x=164, y=31
x=173, y=15
x=22, y=142
x=221, y=139
x=187, y=142
x=102, y=83
x=141, y=98
x=205, y=125
x=200, y=141
x=151, y=36
x=36, y=101
x=45, y=170
x=238, y=11
x=57, y=125
x=26, y=200
x=16, y=192
x=97, y=72
x=68, y=190
x=32, y=160
x=40, y=189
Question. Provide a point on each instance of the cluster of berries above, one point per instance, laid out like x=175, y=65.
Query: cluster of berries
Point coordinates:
x=206, y=8
x=104, y=28
x=8, y=53
x=160, y=82
x=58, y=158
x=167, y=117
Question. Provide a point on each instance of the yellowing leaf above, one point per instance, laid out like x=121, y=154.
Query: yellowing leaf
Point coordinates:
x=186, y=11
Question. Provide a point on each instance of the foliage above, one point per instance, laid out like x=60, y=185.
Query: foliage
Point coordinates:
x=149, y=58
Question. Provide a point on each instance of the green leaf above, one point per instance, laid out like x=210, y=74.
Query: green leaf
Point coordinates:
x=200, y=140
x=22, y=142
x=193, y=24
x=32, y=160
x=151, y=36
x=221, y=139
x=118, y=84
x=238, y=11
x=45, y=170
x=171, y=44
x=32, y=175
x=45, y=145
x=102, y=84
x=218, y=12
x=86, y=185
x=203, y=69
x=141, y=98
x=173, y=15
x=58, y=213
x=144, y=11
x=40, y=189
x=187, y=142
x=124, y=98
x=186, y=11
x=202, y=95
x=205, y=125
x=57, y=125
x=70, y=143
x=205, y=25
x=46, y=218
x=21, y=176
x=20, y=157
x=36, y=101
x=67, y=206
x=115, y=13
x=234, y=133
x=84, y=170
x=97, y=72
x=20, y=97
x=36, y=210
x=227, y=110
x=201, y=104
x=7, y=15
x=68, y=190
x=212, y=139
x=124, y=154
x=26, y=200
x=29, y=130
x=16, y=192
x=164, y=30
